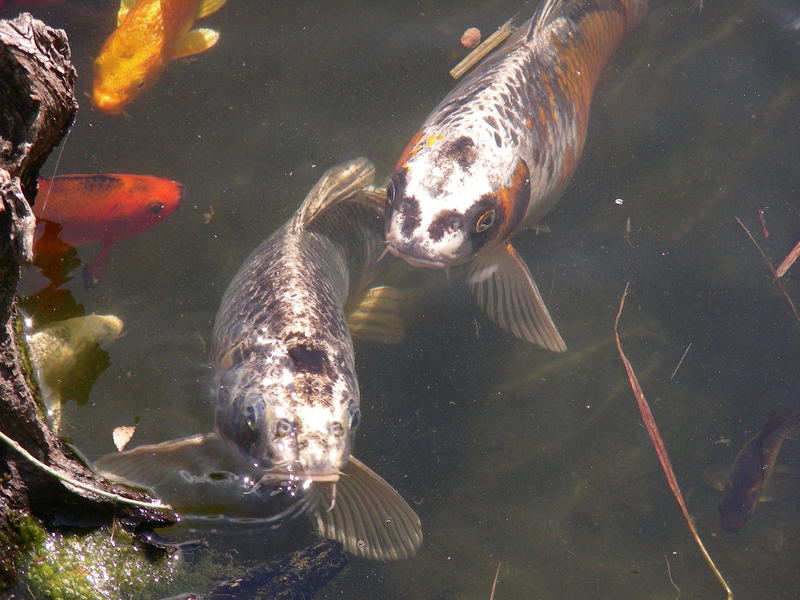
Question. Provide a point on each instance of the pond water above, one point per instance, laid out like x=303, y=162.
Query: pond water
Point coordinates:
x=507, y=452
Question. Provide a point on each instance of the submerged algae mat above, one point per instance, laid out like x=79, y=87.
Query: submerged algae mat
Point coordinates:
x=105, y=565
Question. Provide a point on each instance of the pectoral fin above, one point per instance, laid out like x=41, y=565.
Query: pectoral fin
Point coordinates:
x=154, y=465
x=124, y=8
x=194, y=42
x=368, y=516
x=336, y=185
x=377, y=317
x=210, y=6
x=94, y=270
x=504, y=287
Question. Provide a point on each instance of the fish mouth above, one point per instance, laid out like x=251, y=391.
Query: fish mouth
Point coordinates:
x=419, y=261
x=295, y=476
x=297, y=483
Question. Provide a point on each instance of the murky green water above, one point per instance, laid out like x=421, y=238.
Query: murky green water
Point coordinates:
x=508, y=453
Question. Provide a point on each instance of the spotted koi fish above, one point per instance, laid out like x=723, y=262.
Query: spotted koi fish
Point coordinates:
x=286, y=388
x=496, y=153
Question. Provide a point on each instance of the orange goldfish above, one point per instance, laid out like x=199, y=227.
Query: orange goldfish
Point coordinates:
x=149, y=34
x=72, y=210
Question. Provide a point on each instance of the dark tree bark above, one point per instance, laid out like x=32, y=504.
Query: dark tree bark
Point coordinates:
x=37, y=107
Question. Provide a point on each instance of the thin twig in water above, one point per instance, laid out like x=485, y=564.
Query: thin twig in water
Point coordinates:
x=669, y=574
x=627, y=234
x=680, y=362
x=772, y=270
x=74, y=482
x=494, y=582
x=661, y=451
x=489, y=44
x=788, y=261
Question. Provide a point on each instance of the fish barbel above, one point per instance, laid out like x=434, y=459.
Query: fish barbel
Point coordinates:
x=286, y=389
x=496, y=153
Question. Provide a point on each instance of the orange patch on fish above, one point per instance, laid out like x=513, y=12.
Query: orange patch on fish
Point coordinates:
x=513, y=200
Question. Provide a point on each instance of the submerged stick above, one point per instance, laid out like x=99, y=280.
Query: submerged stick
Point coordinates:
x=772, y=270
x=661, y=451
x=494, y=581
x=78, y=484
x=489, y=44
x=788, y=261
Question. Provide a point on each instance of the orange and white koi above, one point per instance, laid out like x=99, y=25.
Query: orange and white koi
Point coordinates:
x=149, y=34
x=495, y=154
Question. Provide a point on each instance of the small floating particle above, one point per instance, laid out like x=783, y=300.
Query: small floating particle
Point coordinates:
x=207, y=216
x=122, y=435
x=477, y=54
x=471, y=37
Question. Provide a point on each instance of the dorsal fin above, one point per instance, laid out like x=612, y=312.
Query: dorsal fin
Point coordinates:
x=336, y=184
x=543, y=15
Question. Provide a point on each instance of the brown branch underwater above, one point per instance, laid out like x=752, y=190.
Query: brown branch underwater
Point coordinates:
x=661, y=451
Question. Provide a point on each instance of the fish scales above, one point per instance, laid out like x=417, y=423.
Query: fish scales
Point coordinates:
x=496, y=152
x=286, y=387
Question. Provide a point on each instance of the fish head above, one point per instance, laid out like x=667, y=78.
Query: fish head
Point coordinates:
x=738, y=505
x=152, y=199
x=292, y=411
x=139, y=202
x=448, y=198
x=123, y=71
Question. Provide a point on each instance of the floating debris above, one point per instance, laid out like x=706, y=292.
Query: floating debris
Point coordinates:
x=489, y=44
x=122, y=435
x=788, y=261
x=471, y=37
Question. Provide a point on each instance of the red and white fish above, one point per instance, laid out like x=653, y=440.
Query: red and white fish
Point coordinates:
x=72, y=210
x=496, y=153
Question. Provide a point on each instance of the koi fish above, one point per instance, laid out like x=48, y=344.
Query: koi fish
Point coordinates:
x=72, y=210
x=752, y=469
x=496, y=153
x=149, y=34
x=286, y=388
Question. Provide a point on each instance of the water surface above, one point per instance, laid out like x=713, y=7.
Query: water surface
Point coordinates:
x=508, y=453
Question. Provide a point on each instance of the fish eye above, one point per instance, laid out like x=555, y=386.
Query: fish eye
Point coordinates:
x=155, y=207
x=336, y=429
x=140, y=84
x=283, y=427
x=485, y=221
x=390, y=192
x=355, y=418
x=251, y=418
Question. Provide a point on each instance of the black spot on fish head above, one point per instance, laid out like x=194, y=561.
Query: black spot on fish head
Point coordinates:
x=446, y=221
x=462, y=150
x=308, y=359
x=402, y=211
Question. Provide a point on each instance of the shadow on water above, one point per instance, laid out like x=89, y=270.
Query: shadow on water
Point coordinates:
x=508, y=453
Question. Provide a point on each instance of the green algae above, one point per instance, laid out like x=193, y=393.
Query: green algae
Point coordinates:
x=106, y=565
